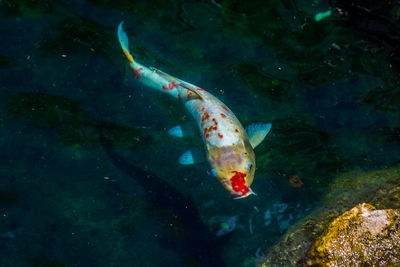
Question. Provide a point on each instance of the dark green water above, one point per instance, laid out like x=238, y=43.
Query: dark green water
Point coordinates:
x=89, y=175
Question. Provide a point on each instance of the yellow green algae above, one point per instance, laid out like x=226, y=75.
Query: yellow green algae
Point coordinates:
x=379, y=188
x=360, y=236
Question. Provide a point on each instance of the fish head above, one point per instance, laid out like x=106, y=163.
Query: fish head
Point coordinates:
x=234, y=167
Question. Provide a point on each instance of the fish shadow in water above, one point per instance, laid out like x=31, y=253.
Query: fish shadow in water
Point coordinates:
x=72, y=125
x=192, y=239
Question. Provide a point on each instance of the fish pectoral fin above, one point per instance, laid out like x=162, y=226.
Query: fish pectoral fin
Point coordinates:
x=188, y=129
x=257, y=132
x=191, y=156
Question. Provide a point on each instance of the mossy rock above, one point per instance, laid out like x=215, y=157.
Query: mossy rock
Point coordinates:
x=380, y=188
x=360, y=236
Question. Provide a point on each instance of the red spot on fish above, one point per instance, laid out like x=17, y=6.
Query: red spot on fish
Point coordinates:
x=205, y=116
x=212, y=128
x=236, y=130
x=200, y=89
x=136, y=74
x=239, y=183
x=220, y=136
x=208, y=130
x=179, y=97
x=223, y=115
x=170, y=87
x=215, y=121
x=225, y=107
x=189, y=94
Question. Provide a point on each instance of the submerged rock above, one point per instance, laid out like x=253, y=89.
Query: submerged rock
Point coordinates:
x=379, y=188
x=362, y=235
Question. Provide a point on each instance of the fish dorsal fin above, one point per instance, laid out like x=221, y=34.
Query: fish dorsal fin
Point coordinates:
x=192, y=88
x=257, y=132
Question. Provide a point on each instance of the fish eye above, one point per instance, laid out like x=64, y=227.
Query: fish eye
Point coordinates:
x=249, y=165
x=214, y=172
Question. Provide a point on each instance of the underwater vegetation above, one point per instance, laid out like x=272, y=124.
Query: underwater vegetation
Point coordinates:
x=73, y=126
x=375, y=22
x=77, y=34
x=27, y=8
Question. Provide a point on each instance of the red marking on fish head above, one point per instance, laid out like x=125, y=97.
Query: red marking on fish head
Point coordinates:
x=223, y=115
x=238, y=183
x=220, y=135
x=200, y=89
x=236, y=130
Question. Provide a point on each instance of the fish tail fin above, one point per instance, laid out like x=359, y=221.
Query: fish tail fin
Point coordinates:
x=124, y=42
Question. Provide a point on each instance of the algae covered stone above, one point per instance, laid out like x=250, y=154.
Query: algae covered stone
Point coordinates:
x=379, y=188
x=360, y=236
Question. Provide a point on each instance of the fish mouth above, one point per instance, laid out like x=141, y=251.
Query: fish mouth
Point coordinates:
x=251, y=192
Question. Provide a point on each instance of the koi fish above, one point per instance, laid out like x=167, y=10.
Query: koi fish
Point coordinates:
x=229, y=147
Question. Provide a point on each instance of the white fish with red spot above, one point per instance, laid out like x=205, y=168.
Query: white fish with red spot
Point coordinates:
x=229, y=147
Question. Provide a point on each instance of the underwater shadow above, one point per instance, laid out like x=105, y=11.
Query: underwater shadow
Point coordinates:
x=192, y=239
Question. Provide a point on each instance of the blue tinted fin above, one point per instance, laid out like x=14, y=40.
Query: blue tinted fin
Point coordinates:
x=257, y=132
x=124, y=42
x=176, y=131
x=187, y=129
x=191, y=156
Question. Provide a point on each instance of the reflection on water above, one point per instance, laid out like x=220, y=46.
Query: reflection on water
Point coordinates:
x=87, y=164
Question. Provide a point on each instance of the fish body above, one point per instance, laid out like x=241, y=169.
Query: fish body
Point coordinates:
x=228, y=148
